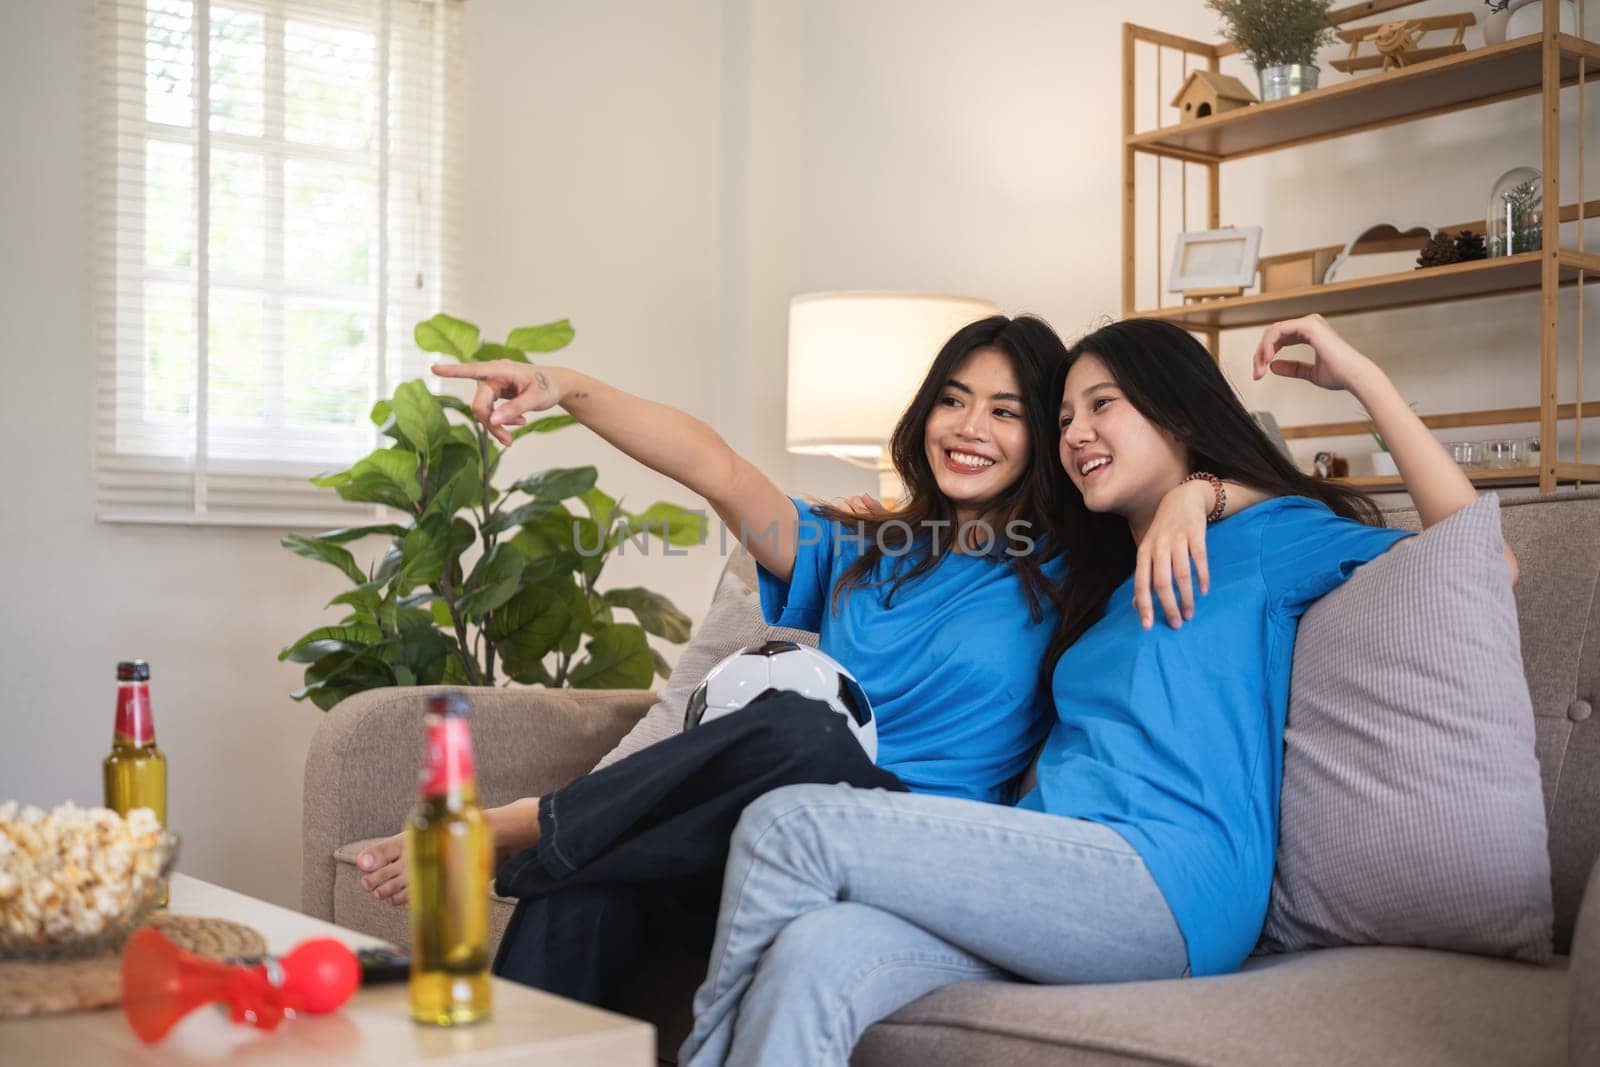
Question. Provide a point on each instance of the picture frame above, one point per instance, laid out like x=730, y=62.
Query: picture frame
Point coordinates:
x=1215, y=259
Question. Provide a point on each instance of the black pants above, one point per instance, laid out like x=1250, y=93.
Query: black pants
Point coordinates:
x=635, y=852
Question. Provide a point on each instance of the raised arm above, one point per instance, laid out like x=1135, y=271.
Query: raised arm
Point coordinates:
x=663, y=438
x=1437, y=486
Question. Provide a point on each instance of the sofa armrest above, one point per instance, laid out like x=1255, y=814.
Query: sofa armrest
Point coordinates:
x=361, y=772
x=1583, y=979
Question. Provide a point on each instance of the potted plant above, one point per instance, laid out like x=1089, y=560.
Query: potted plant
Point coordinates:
x=1280, y=38
x=1382, y=460
x=481, y=582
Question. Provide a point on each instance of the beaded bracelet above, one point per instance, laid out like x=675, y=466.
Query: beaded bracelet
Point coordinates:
x=1216, y=485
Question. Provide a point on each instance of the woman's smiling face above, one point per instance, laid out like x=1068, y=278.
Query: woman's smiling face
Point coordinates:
x=977, y=437
x=1119, y=460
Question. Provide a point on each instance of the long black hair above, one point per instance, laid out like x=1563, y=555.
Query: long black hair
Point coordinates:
x=1035, y=354
x=1170, y=379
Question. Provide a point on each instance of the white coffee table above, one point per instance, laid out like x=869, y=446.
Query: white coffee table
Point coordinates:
x=528, y=1027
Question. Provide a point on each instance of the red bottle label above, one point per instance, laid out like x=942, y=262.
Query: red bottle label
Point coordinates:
x=135, y=726
x=447, y=763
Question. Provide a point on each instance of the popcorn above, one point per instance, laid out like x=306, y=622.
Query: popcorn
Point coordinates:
x=71, y=873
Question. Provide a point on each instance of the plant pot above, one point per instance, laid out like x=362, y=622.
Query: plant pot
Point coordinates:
x=1523, y=17
x=1383, y=463
x=1290, y=80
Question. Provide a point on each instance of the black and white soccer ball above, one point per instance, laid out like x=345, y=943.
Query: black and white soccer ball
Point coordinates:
x=783, y=666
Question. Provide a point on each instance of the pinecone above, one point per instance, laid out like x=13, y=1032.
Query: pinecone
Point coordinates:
x=1470, y=246
x=1440, y=251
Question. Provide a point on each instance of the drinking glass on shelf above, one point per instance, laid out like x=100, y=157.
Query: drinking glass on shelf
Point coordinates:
x=1504, y=452
x=1467, y=454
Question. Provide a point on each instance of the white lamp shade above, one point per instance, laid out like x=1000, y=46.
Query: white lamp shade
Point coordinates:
x=856, y=359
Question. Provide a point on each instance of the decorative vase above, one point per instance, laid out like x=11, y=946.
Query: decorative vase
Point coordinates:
x=1383, y=464
x=1288, y=80
x=1515, y=215
x=1518, y=18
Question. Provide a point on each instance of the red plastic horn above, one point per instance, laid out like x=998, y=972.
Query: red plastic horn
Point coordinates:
x=161, y=983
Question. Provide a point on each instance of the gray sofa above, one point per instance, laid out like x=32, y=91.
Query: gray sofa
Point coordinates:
x=1355, y=1006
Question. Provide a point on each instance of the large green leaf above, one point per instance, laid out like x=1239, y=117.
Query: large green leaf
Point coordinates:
x=600, y=507
x=351, y=533
x=326, y=551
x=547, y=424
x=549, y=534
x=456, y=404
x=325, y=639
x=678, y=526
x=509, y=520
x=421, y=419
x=492, y=582
x=489, y=350
x=387, y=476
x=618, y=658
x=365, y=602
x=655, y=613
x=528, y=627
x=448, y=335
x=425, y=553
x=331, y=479
x=545, y=338
x=558, y=483
x=456, y=482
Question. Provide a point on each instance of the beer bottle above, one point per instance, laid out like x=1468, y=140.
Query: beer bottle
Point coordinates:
x=136, y=771
x=449, y=856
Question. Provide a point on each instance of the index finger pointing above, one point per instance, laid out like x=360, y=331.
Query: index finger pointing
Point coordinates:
x=458, y=370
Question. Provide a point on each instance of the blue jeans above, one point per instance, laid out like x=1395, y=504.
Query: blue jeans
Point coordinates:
x=840, y=905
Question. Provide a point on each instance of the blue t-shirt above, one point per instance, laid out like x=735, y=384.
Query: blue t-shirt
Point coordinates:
x=953, y=667
x=1174, y=738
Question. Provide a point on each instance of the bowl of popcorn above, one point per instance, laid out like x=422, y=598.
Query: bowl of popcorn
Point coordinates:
x=78, y=881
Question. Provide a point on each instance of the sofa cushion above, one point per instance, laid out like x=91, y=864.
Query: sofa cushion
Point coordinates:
x=1349, y=1007
x=732, y=622
x=1412, y=812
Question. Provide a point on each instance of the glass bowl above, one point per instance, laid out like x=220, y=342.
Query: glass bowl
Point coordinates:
x=1467, y=454
x=117, y=929
x=1503, y=453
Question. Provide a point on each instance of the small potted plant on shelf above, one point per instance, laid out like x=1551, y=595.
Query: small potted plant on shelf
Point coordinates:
x=1280, y=38
x=1382, y=461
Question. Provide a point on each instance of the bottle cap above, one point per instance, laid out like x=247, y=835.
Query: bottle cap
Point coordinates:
x=133, y=670
x=449, y=705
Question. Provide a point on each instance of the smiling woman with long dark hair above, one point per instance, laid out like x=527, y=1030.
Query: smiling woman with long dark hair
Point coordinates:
x=1146, y=849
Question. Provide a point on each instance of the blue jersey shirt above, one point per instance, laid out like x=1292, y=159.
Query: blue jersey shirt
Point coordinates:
x=1174, y=738
x=953, y=668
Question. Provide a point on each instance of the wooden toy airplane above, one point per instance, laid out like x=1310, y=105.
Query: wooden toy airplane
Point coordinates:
x=1398, y=43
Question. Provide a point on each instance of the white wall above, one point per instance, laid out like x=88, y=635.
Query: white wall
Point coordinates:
x=667, y=175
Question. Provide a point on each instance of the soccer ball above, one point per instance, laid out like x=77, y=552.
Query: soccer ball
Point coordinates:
x=787, y=667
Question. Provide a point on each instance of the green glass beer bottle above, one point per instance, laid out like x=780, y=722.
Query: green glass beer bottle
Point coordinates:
x=449, y=855
x=136, y=771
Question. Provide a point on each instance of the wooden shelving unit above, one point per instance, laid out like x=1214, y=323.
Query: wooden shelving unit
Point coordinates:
x=1541, y=64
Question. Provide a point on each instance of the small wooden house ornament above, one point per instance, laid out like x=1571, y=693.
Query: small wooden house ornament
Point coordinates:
x=1209, y=93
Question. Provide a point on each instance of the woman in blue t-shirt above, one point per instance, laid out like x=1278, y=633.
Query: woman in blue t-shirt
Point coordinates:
x=943, y=627
x=1146, y=849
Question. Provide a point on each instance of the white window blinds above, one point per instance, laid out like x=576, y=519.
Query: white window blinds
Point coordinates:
x=273, y=190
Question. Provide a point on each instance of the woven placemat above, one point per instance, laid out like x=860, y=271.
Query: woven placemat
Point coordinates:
x=28, y=988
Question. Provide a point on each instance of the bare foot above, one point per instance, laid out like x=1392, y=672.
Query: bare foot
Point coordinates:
x=384, y=865
x=512, y=828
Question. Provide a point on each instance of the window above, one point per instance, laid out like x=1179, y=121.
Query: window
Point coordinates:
x=272, y=196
